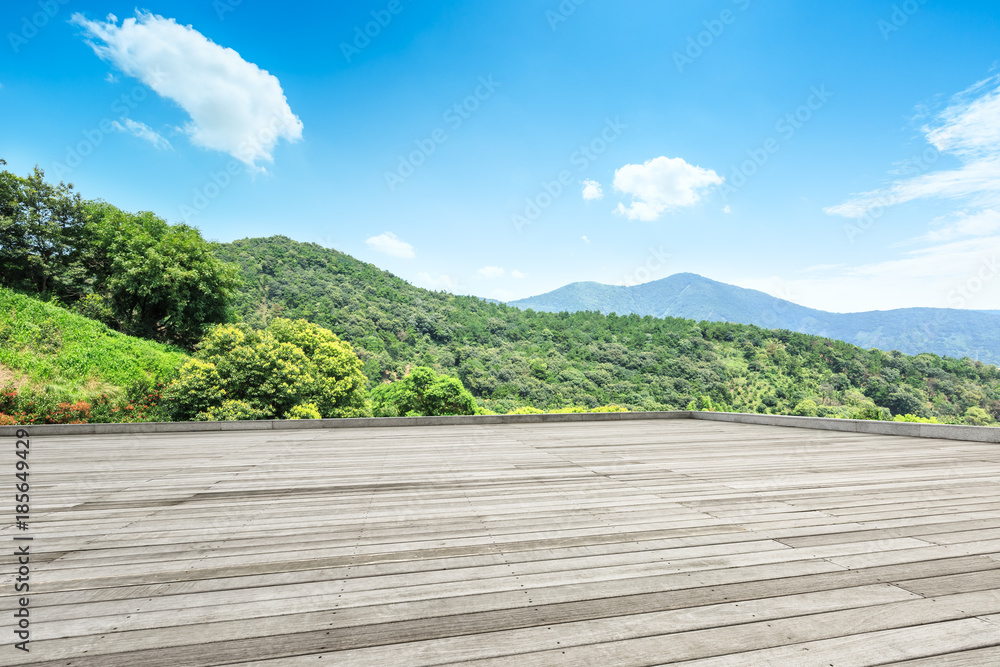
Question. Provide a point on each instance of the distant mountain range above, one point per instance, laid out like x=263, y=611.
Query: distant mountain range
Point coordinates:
x=943, y=331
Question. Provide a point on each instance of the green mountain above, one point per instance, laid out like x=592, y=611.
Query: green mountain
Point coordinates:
x=943, y=331
x=508, y=357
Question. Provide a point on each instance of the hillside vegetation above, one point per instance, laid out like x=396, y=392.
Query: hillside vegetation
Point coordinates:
x=49, y=346
x=509, y=358
x=944, y=331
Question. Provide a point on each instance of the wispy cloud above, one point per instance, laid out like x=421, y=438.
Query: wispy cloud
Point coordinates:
x=234, y=106
x=518, y=275
x=492, y=272
x=661, y=185
x=390, y=244
x=967, y=129
x=142, y=131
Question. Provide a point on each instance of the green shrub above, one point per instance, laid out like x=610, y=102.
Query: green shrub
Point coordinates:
x=272, y=371
x=232, y=410
x=422, y=393
x=304, y=411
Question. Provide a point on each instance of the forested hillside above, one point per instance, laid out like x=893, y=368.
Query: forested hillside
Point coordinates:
x=944, y=331
x=509, y=358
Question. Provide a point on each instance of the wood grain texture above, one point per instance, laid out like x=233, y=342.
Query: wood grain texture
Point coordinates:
x=607, y=543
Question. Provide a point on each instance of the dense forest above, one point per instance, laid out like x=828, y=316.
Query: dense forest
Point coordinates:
x=139, y=275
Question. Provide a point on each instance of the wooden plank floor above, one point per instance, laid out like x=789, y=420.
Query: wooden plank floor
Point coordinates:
x=633, y=543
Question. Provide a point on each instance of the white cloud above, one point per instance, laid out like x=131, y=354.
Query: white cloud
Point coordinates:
x=727, y=210
x=969, y=130
x=390, y=244
x=592, y=190
x=963, y=224
x=442, y=282
x=959, y=274
x=501, y=295
x=492, y=272
x=585, y=239
x=142, y=131
x=234, y=106
x=517, y=275
x=660, y=185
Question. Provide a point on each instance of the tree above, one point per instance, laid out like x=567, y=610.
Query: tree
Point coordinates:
x=288, y=370
x=40, y=226
x=161, y=281
x=976, y=416
x=422, y=393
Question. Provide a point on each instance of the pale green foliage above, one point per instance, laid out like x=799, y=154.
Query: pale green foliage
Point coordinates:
x=526, y=410
x=230, y=411
x=976, y=416
x=304, y=411
x=806, y=408
x=288, y=365
x=915, y=419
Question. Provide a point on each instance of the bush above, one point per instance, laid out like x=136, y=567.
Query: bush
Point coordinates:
x=871, y=412
x=976, y=416
x=806, y=408
x=231, y=411
x=422, y=393
x=304, y=411
x=526, y=410
x=268, y=373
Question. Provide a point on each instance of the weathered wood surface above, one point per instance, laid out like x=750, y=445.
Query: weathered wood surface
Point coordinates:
x=607, y=543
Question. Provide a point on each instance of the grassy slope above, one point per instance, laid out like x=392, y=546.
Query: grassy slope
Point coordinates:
x=51, y=347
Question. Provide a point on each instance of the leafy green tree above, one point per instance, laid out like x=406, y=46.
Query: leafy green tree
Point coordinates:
x=40, y=227
x=422, y=393
x=288, y=370
x=806, y=408
x=161, y=281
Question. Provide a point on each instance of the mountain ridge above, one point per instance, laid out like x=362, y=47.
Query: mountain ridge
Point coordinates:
x=943, y=331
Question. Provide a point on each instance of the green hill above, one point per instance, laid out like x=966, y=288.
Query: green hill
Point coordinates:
x=509, y=358
x=944, y=331
x=47, y=348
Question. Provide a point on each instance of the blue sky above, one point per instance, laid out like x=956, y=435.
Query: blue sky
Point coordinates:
x=842, y=155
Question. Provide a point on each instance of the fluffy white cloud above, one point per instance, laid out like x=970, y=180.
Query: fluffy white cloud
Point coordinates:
x=390, y=244
x=143, y=131
x=660, y=185
x=442, y=282
x=585, y=239
x=517, y=275
x=727, y=209
x=969, y=130
x=592, y=190
x=492, y=272
x=234, y=106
